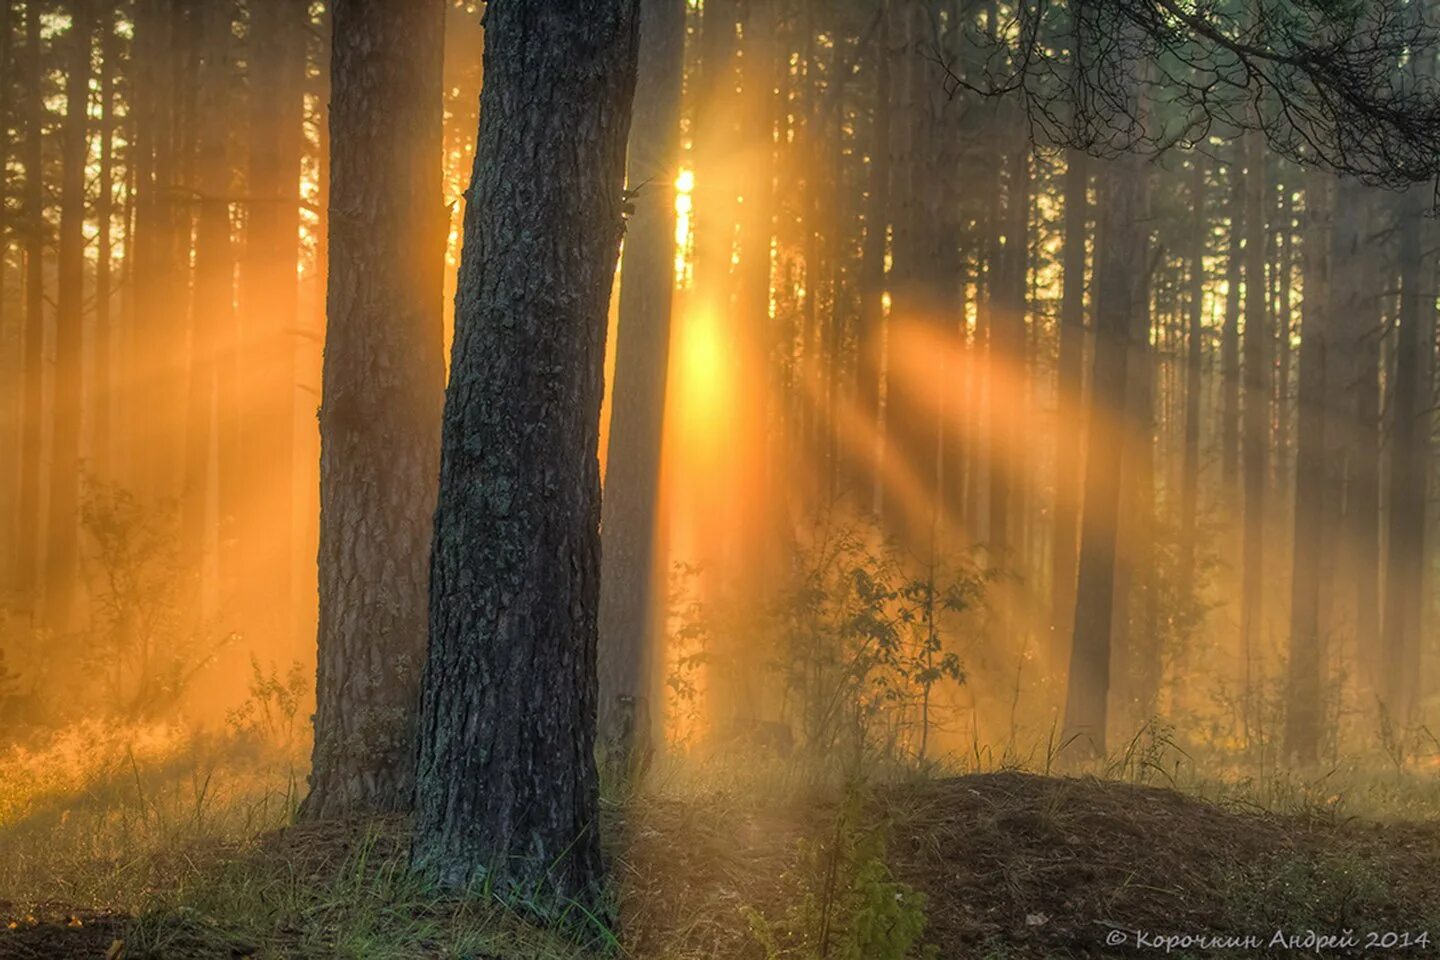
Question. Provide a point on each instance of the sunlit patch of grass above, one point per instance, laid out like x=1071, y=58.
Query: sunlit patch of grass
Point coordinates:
x=100, y=816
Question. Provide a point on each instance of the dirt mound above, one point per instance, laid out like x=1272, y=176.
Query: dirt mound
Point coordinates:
x=1011, y=865
x=1015, y=865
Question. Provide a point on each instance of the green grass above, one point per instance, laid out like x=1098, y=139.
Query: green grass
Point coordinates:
x=189, y=836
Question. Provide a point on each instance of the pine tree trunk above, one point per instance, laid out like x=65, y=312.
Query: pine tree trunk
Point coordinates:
x=870, y=359
x=1230, y=335
x=1119, y=247
x=102, y=394
x=628, y=642
x=1304, y=708
x=507, y=789
x=1065, y=546
x=1194, y=356
x=1409, y=452
x=157, y=361
x=1256, y=420
x=62, y=566
x=28, y=553
x=382, y=385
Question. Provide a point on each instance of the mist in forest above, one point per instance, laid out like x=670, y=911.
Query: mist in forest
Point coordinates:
x=980, y=387
x=884, y=392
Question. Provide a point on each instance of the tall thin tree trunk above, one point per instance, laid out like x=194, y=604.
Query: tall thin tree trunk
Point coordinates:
x=870, y=361
x=1119, y=248
x=1230, y=335
x=507, y=789
x=102, y=394
x=28, y=554
x=1304, y=695
x=628, y=644
x=62, y=567
x=1070, y=399
x=1256, y=421
x=1194, y=356
x=382, y=386
x=1408, y=459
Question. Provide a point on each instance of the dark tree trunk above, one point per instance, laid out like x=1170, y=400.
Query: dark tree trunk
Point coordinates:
x=506, y=785
x=1230, y=335
x=1119, y=248
x=62, y=566
x=628, y=651
x=869, y=359
x=12, y=330
x=32, y=156
x=1409, y=456
x=1256, y=418
x=1194, y=354
x=382, y=385
x=1007, y=349
x=157, y=361
x=1303, y=713
x=102, y=399
x=1070, y=388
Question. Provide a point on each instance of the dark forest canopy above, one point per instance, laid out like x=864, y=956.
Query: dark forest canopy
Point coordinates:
x=1326, y=81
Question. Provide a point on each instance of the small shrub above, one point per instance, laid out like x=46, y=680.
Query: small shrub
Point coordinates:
x=847, y=904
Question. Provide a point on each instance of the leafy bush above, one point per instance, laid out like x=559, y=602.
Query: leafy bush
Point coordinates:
x=848, y=648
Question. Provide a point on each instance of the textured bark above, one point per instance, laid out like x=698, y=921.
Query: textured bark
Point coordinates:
x=1408, y=457
x=632, y=480
x=1119, y=247
x=506, y=790
x=382, y=385
x=1070, y=389
x=62, y=564
x=27, y=559
x=1303, y=713
x=269, y=296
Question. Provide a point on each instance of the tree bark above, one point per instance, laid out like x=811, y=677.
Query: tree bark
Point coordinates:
x=1194, y=355
x=1408, y=459
x=1119, y=247
x=62, y=566
x=382, y=384
x=1070, y=399
x=1256, y=418
x=507, y=789
x=28, y=555
x=1230, y=335
x=1304, y=695
x=628, y=644
x=102, y=394
x=869, y=350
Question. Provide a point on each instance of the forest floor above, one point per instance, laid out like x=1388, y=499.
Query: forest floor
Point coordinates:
x=999, y=865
